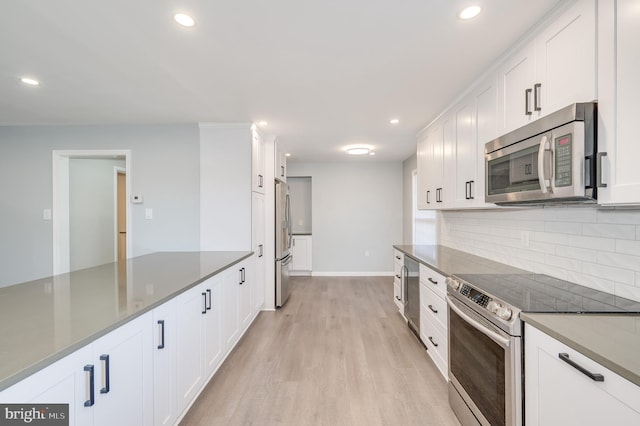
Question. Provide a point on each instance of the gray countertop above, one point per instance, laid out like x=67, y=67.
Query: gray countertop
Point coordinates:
x=44, y=320
x=448, y=261
x=610, y=339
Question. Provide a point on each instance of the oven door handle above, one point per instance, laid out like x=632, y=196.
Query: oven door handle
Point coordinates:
x=504, y=342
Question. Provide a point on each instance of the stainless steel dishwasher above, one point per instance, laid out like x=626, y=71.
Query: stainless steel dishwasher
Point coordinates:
x=412, y=292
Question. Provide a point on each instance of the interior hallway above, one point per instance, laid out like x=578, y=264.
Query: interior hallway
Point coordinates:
x=337, y=353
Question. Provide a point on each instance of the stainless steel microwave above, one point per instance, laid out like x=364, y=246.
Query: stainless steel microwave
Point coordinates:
x=552, y=159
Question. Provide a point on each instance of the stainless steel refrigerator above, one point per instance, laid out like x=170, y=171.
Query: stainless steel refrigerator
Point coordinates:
x=283, y=242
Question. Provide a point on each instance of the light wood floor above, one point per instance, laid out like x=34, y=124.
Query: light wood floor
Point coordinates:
x=337, y=353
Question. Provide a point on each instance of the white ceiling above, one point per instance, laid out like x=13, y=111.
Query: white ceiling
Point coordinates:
x=324, y=74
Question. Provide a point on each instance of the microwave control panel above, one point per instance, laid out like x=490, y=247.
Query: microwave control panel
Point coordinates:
x=563, y=160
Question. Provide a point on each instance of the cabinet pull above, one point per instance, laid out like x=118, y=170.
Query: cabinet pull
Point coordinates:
x=432, y=341
x=398, y=276
x=428, y=193
x=432, y=310
x=471, y=183
x=467, y=189
x=593, y=376
x=261, y=250
x=161, y=324
x=282, y=171
x=89, y=386
x=536, y=97
x=242, y=276
x=204, y=309
x=209, y=305
x=432, y=281
x=527, y=101
x=599, y=182
x=105, y=373
x=260, y=181
x=398, y=257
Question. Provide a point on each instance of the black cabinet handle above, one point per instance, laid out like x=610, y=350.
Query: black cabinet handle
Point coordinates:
x=536, y=97
x=90, y=384
x=204, y=309
x=209, y=305
x=398, y=257
x=434, y=343
x=244, y=278
x=471, y=182
x=432, y=281
x=398, y=298
x=261, y=247
x=467, y=189
x=599, y=182
x=428, y=193
x=161, y=324
x=105, y=373
x=260, y=182
x=432, y=310
x=527, y=101
x=593, y=376
x=282, y=171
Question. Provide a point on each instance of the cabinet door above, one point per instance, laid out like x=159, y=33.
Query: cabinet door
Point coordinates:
x=301, y=253
x=124, y=375
x=618, y=106
x=485, y=121
x=257, y=162
x=245, y=293
x=164, y=363
x=466, y=152
x=63, y=382
x=212, y=329
x=515, y=78
x=424, y=158
x=190, y=308
x=230, y=308
x=557, y=393
x=258, y=233
x=446, y=158
x=566, y=59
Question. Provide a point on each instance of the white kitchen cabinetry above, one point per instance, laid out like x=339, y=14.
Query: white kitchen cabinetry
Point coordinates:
x=280, y=170
x=618, y=106
x=301, y=253
x=436, y=164
x=466, y=152
x=433, y=317
x=164, y=363
x=246, y=281
x=257, y=161
x=558, y=393
x=119, y=365
x=555, y=69
x=258, y=237
x=398, y=277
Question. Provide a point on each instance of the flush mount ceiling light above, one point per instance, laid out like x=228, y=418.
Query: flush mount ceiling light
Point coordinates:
x=30, y=81
x=184, y=20
x=262, y=123
x=469, y=12
x=358, y=151
x=287, y=155
x=394, y=121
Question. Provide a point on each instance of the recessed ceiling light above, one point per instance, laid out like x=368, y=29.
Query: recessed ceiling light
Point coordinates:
x=262, y=123
x=184, y=20
x=394, y=121
x=287, y=155
x=30, y=81
x=358, y=151
x=372, y=153
x=469, y=12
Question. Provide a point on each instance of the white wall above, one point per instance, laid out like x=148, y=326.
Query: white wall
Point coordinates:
x=357, y=207
x=597, y=248
x=300, y=191
x=165, y=170
x=92, y=211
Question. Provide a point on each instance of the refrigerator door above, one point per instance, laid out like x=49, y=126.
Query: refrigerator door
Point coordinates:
x=283, y=221
x=282, y=280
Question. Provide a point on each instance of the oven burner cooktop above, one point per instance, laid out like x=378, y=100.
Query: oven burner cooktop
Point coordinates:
x=544, y=294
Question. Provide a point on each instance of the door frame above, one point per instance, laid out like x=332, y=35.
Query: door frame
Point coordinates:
x=116, y=171
x=60, y=193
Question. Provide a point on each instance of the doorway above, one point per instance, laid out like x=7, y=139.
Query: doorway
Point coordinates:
x=86, y=219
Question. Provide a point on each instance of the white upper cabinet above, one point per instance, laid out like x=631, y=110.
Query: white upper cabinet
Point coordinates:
x=466, y=152
x=280, y=171
x=555, y=69
x=257, y=161
x=618, y=106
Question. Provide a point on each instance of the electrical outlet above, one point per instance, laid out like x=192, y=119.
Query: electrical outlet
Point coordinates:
x=366, y=253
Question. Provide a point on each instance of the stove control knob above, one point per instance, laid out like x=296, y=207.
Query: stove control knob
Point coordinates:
x=504, y=313
x=493, y=307
x=453, y=283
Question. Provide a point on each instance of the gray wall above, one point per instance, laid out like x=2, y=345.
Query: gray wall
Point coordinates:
x=92, y=211
x=300, y=191
x=357, y=207
x=164, y=169
x=408, y=166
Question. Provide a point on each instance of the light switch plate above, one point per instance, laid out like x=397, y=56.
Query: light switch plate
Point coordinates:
x=148, y=213
x=136, y=199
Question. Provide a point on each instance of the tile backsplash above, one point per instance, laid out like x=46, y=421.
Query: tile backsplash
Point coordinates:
x=594, y=247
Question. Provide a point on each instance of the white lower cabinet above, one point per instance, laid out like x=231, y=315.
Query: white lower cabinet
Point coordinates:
x=119, y=365
x=398, y=287
x=557, y=393
x=164, y=363
x=301, y=253
x=433, y=317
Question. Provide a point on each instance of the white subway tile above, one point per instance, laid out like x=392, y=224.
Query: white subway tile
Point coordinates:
x=595, y=243
x=586, y=255
x=584, y=214
x=590, y=281
x=627, y=291
x=628, y=247
x=619, y=260
x=550, y=270
x=608, y=272
x=563, y=228
x=525, y=264
x=622, y=232
x=528, y=255
x=637, y=232
x=563, y=262
x=631, y=217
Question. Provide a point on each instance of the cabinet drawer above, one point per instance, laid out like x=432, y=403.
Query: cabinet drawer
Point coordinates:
x=434, y=334
x=433, y=305
x=397, y=270
x=398, y=257
x=433, y=280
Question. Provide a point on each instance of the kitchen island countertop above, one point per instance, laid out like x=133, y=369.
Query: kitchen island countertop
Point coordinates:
x=42, y=321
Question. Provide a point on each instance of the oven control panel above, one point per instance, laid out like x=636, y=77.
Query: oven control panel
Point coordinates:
x=495, y=307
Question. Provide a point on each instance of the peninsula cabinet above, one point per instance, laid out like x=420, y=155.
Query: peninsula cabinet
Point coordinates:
x=164, y=363
x=618, y=107
x=555, y=69
x=107, y=382
x=558, y=393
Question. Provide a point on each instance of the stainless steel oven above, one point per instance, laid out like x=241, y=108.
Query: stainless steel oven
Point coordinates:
x=485, y=358
x=412, y=292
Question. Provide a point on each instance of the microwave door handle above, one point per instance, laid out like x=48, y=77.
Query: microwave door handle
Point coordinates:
x=542, y=149
x=502, y=341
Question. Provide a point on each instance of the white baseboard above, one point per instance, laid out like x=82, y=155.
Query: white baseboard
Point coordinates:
x=300, y=273
x=351, y=274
